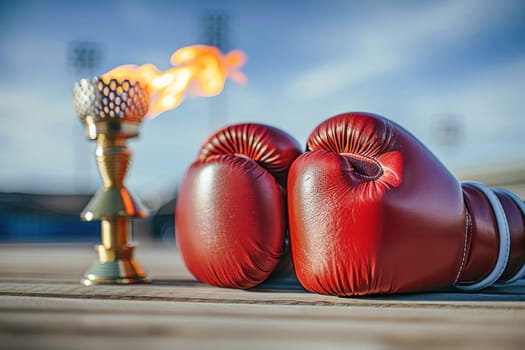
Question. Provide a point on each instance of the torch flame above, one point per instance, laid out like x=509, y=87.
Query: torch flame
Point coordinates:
x=201, y=68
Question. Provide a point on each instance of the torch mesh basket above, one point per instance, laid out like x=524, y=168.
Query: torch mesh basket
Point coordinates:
x=115, y=99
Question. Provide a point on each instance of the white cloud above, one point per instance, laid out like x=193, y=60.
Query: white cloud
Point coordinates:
x=389, y=42
x=488, y=108
x=38, y=123
x=332, y=77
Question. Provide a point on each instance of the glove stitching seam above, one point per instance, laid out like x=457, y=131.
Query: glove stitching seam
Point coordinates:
x=468, y=231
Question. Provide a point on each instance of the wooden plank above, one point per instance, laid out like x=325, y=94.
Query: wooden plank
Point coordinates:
x=56, y=271
x=222, y=326
x=43, y=306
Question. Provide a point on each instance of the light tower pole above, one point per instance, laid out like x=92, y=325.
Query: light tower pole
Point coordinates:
x=83, y=58
x=216, y=33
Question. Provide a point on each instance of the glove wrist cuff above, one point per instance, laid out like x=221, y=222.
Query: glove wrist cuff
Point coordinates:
x=504, y=241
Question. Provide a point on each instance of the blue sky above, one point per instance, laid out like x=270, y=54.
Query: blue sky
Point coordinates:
x=421, y=63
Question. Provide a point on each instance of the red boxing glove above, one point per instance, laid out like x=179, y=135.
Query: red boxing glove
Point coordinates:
x=373, y=211
x=231, y=216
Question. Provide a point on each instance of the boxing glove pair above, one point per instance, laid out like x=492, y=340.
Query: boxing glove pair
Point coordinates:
x=367, y=208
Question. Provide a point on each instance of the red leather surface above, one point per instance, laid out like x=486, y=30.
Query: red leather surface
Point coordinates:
x=231, y=210
x=271, y=148
x=373, y=211
x=483, y=237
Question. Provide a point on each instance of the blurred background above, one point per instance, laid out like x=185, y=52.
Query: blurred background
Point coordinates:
x=451, y=72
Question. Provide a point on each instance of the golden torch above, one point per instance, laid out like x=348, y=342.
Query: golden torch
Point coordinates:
x=111, y=108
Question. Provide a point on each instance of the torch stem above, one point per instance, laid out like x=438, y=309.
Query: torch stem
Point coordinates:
x=114, y=239
x=113, y=160
x=115, y=232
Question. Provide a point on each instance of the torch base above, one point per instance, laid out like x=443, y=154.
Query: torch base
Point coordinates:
x=119, y=271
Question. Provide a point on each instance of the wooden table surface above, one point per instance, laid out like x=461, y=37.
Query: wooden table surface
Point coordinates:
x=43, y=306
